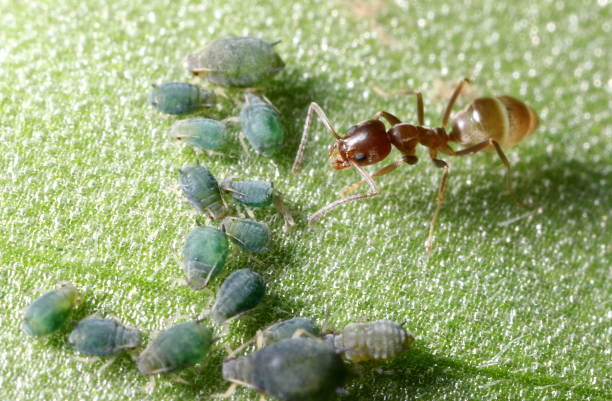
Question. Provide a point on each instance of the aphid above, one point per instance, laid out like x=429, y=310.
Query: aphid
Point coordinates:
x=246, y=233
x=261, y=125
x=178, y=347
x=50, y=311
x=180, y=97
x=383, y=339
x=253, y=193
x=485, y=124
x=238, y=62
x=204, y=255
x=103, y=337
x=295, y=369
x=202, y=133
x=240, y=292
x=286, y=329
x=257, y=193
x=201, y=189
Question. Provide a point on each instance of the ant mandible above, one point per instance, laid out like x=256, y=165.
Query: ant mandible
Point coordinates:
x=486, y=123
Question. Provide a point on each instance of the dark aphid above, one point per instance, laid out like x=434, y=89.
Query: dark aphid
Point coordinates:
x=286, y=329
x=201, y=189
x=253, y=193
x=103, y=337
x=202, y=133
x=238, y=62
x=246, y=233
x=383, y=339
x=178, y=347
x=261, y=125
x=180, y=97
x=296, y=369
x=50, y=311
x=240, y=292
x=204, y=255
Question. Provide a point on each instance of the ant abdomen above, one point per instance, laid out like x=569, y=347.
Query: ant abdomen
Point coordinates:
x=502, y=118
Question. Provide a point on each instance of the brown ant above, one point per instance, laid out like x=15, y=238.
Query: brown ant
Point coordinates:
x=486, y=123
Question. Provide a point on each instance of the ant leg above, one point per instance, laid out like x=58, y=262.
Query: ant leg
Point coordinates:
x=490, y=142
x=375, y=191
x=419, y=96
x=391, y=119
x=439, y=200
x=300, y=153
x=452, y=100
x=387, y=169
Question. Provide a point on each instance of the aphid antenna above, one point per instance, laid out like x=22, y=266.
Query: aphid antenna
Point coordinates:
x=275, y=42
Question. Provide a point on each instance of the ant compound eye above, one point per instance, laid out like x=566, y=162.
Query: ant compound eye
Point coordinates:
x=360, y=156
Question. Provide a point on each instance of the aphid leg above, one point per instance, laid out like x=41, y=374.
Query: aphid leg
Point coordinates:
x=387, y=169
x=439, y=199
x=249, y=212
x=313, y=108
x=150, y=386
x=451, y=102
x=342, y=391
x=233, y=353
x=298, y=333
x=382, y=371
x=375, y=191
x=107, y=364
x=228, y=393
x=490, y=142
x=241, y=138
x=283, y=211
x=416, y=92
x=179, y=379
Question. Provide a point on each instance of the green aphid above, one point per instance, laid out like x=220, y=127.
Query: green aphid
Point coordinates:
x=175, y=348
x=253, y=193
x=371, y=341
x=248, y=234
x=286, y=329
x=240, y=292
x=204, y=255
x=50, y=312
x=261, y=125
x=103, y=337
x=202, y=133
x=180, y=97
x=201, y=189
x=296, y=369
x=237, y=62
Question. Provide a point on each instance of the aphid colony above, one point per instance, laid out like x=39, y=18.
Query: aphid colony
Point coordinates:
x=292, y=361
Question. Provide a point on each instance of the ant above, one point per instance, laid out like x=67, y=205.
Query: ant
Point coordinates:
x=487, y=123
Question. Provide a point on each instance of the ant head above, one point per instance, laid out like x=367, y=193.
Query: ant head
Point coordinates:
x=365, y=143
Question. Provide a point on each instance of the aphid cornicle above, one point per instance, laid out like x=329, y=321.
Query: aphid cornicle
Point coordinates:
x=240, y=292
x=286, y=329
x=202, y=133
x=177, y=347
x=202, y=190
x=261, y=125
x=488, y=123
x=50, y=311
x=205, y=252
x=238, y=62
x=180, y=97
x=248, y=234
x=295, y=369
x=103, y=337
x=383, y=339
